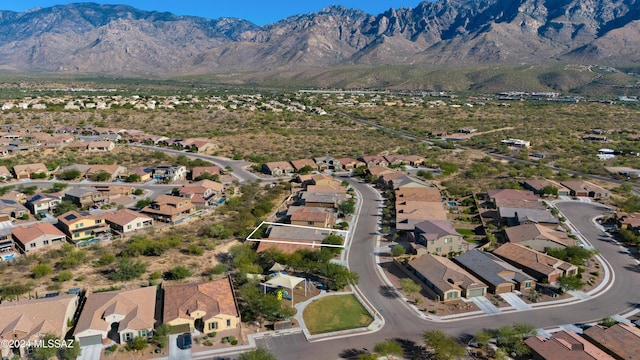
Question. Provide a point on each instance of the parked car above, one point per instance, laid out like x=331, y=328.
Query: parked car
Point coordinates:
x=184, y=341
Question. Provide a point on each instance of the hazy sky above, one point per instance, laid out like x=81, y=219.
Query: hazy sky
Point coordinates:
x=258, y=12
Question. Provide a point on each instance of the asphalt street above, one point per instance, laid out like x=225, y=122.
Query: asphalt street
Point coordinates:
x=402, y=323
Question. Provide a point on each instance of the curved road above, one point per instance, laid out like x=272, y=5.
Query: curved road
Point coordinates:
x=403, y=323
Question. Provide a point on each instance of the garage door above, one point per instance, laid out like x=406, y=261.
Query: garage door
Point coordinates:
x=476, y=292
x=90, y=340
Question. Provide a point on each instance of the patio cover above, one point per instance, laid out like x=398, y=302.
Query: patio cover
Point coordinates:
x=286, y=281
x=278, y=267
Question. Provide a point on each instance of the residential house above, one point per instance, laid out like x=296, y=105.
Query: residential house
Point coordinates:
x=82, y=227
x=564, y=345
x=27, y=321
x=537, y=186
x=12, y=208
x=327, y=163
x=115, y=171
x=325, y=180
x=350, y=163
x=494, y=196
x=124, y=221
x=382, y=174
x=583, y=188
x=81, y=168
x=495, y=272
x=4, y=151
x=439, y=237
x=170, y=209
x=5, y=174
x=374, y=161
x=301, y=163
x=37, y=236
x=395, y=160
x=620, y=340
x=170, y=173
x=7, y=245
x=443, y=279
x=541, y=266
x=199, y=171
x=409, y=213
x=100, y=146
x=85, y=197
x=198, y=145
x=27, y=170
x=277, y=168
x=321, y=199
x=204, y=307
x=144, y=173
x=43, y=204
x=516, y=143
x=310, y=216
x=629, y=222
x=202, y=193
x=119, y=316
x=538, y=237
x=414, y=160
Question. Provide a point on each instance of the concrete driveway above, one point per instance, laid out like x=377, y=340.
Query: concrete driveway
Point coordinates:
x=90, y=352
x=176, y=353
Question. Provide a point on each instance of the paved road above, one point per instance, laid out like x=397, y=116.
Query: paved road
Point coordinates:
x=238, y=167
x=154, y=190
x=403, y=323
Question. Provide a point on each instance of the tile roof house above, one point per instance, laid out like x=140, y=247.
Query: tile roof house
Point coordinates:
x=124, y=221
x=300, y=163
x=117, y=315
x=439, y=237
x=310, y=216
x=202, y=193
x=620, y=340
x=350, y=163
x=206, y=307
x=198, y=171
x=114, y=170
x=565, y=345
x=43, y=204
x=511, y=194
x=583, y=188
x=5, y=174
x=85, y=196
x=325, y=180
x=100, y=146
x=327, y=163
x=82, y=226
x=374, y=160
x=409, y=213
x=170, y=173
x=538, y=237
x=322, y=199
x=12, y=208
x=443, y=279
x=539, y=184
x=277, y=168
x=171, y=209
x=27, y=170
x=26, y=320
x=37, y=236
x=540, y=266
x=495, y=272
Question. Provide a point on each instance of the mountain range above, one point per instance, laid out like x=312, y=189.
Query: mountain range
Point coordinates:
x=122, y=40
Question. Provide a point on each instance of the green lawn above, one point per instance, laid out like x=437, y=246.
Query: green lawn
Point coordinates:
x=335, y=313
x=465, y=231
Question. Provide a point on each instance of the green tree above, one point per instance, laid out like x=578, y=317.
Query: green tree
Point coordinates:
x=347, y=207
x=64, y=275
x=41, y=270
x=70, y=174
x=142, y=203
x=306, y=169
x=398, y=250
x=409, y=286
x=568, y=283
x=45, y=352
x=128, y=270
x=257, y=354
x=101, y=176
x=255, y=305
x=550, y=190
x=133, y=178
x=65, y=206
x=483, y=337
x=389, y=347
x=71, y=352
x=194, y=249
x=179, y=272
x=512, y=338
x=138, y=343
x=443, y=346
